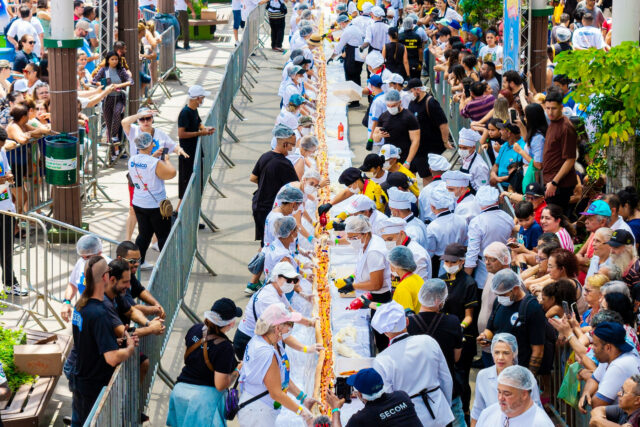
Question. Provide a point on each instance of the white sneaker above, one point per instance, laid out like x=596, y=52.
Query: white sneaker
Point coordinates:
x=16, y=290
x=146, y=266
x=155, y=247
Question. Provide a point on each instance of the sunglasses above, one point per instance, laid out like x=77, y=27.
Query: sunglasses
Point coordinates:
x=31, y=42
x=294, y=280
x=145, y=119
x=132, y=260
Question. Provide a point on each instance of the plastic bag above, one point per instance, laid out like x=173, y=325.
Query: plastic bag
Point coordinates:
x=529, y=176
x=569, y=388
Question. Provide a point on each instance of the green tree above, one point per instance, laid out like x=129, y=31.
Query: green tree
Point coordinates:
x=482, y=12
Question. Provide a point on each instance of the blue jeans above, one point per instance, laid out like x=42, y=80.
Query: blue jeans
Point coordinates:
x=458, y=413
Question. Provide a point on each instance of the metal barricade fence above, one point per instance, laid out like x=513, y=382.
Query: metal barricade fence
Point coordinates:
x=30, y=190
x=564, y=412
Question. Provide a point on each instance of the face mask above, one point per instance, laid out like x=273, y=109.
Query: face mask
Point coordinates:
x=356, y=244
x=451, y=269
x=386, y=165
x=369, y=175
x=286, y=287
x=390, y=244
x=393, y=110
x=464, y=153
x=505, y=300
x=305, y=131
x=412, y=96
x=354, y=190
x=309, y=189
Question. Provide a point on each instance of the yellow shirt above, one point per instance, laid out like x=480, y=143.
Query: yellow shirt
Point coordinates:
x=412, y=180
x=361, y=3
x=373, y=191
x=406, y=293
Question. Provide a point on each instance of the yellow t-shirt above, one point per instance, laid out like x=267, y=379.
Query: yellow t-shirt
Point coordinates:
x=361, y=3
x=412, y=180
x=373, y=191
x=406, y=293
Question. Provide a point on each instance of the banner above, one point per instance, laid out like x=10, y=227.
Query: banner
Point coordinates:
x=511, y=49
x=4, y=16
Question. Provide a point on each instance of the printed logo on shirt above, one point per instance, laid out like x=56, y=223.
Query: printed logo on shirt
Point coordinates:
x=514, y=319
x=138, y=165
x=156, y=146
x=77, y=320
x=391, y=412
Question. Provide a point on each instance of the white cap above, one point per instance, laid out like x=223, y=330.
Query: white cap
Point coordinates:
x=394, y=78
x=392, y=225
x=391, y=11
x=399, y=199
x=21, y=85
x=389, y=151
x=374, y=59
x=389, y=317
x=366, y=8
x=377, y=11
x=441, y=197
x=456, y=178
x=273, y=315
x=487, y=195
x=468, y=138
x=359, y=203
x=438, y=162
x=196, y=91
x=284, y=269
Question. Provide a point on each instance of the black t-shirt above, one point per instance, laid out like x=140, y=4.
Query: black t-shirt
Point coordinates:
x=93, y=336
x=413, y=42
x=398, y=127
x=528, y=331
x=189, y=120
x=391, y=409
x=133, y=292
x=463, y=294
x=221, y=356
x=117, y=309
x=448, y=334
x=429, y=121
x=273, y=171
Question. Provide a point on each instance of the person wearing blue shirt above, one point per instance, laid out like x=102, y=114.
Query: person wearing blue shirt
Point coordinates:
x=509, y=133
x=530, y=230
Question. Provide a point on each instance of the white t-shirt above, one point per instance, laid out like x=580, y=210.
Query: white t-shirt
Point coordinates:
x=76, y=278
x=611, y=376
x=586, y=37
x=142, y=3
x=21, y=27
x=257, y=359
x=148, y=190
x=263, y=299
x=373, y=259
x=6, y=204
x=494, y=417
x=236, y=4
x=180, y=5
x=491, y=54
x=275, y=253
x=160, y=140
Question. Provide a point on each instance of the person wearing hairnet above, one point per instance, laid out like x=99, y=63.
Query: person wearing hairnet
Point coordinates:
x=282, y=248
x=356, y=183
x=407, y=356
x=445, y=328
x=360, y=204
x=392, y=231
x=351, y=39
x=281, y=281
x=392, y=164
x=413, y=42
x=446, y=227
x=290, y=112
x=87, y=246
x=519, y=314
x=437, y=166
x=458, y=184
x=303, y=155
x=515, y=406
x=372, y=267
x=472, y=161
x=491, y=225
x=400, y=206
x=293, y=85
x=504, y=350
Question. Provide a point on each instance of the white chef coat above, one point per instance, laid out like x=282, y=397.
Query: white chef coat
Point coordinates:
x=492, y=225
x=467, y=208
x=363, y=23
x=422, y=259
x=377, y=35
x=415, y=363
x=475, y=166
x=446, y=228
x=351, y=36
x=374, y=258
x=417, y=230
x=424, y=200
x=534, y=416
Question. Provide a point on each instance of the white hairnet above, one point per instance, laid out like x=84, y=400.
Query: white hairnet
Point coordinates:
x=88, y=245
x=311, y=174
x=392, y=96
x=357, y=224
x=309, y=143
x=518, y=377
x=504, y=281
x=433, y=293
x=282, y=131
x=402, y=257
x=283, y=226
x=499, y=251
x=289, y=194
x=143, y=140
x=508, y=339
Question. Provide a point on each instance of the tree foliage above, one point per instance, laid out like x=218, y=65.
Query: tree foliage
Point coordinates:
x=482, y=12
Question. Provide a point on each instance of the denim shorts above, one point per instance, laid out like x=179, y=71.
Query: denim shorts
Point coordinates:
x=237, y=19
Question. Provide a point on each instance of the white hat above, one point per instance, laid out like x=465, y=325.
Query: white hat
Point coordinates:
x=389, y=151
x=441, y=197
x=284, y=269
x=487, y=195
x=359, y=203
x=394, y=78
x=438, y=162
x=351, y=8
x=366, y=8
x=456, y=178
x=391, y=12
x=377, y=11
x=392, y=225
x=399, y=199
x=389, y=317
x=374, y=59
x=196, y=91
x=21, y=85
x=468, y=138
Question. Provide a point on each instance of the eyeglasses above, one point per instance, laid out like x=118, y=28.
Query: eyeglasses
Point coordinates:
x=145, y=119
x=132, y=260
x=540, y=259
x=294, y=280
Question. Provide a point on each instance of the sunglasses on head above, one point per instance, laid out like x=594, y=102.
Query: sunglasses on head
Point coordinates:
x=145, y=119
x=294, y=280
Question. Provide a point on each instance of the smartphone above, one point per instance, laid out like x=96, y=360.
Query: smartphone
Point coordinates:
x=103, y=82
x=513, y=115
x=513, y=245
x=165, y=150
x=566, y=309
x=574, y=308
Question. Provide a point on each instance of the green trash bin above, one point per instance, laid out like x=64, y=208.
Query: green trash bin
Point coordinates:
x=61, y=162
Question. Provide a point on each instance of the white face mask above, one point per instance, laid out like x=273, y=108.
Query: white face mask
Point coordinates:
x=368, y=175
x=356, y=244
x=286, y=287
x=309, y=189
x=451, y=269
x=305, y=131
x=464, y=153
x=504, y=300
x=387, y=165
x=390, y=244
x=412, y=96
x=393, y=110
x=354, y=190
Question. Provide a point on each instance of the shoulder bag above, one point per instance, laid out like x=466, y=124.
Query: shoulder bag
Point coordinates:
x=165, y=206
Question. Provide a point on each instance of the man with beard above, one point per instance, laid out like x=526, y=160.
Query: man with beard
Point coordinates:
x=624, y=256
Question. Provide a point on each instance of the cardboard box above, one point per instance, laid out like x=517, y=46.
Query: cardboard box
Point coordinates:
x=208, y=14
x=38, y=359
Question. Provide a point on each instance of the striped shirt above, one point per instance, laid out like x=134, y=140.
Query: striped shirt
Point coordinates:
x=477, y=108
x=565, y=239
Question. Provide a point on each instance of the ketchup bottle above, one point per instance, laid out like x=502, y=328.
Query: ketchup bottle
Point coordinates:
x=340, y=132
x=357, y=303
x=323, y=220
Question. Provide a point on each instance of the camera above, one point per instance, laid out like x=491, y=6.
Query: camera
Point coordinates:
x=343, y=390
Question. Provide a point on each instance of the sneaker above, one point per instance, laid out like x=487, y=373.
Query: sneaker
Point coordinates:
x=155, y=247
x=16, y=290
x=252, y=288
x=236, y=44
x=146, y=266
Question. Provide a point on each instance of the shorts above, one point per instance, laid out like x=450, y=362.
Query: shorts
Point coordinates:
x=131, y=189
x=145, y=78
x=420, y=166
x=237, y=19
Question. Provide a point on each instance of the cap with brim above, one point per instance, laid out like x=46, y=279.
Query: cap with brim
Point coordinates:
x=296, y=100
x=455, y=25
x=534, y=189
x=349, y=176
x=394, y=78
x=197, y=91
x=413, y=83
x=598, y=207
x=145, y=111
x=305, y=121
x=443, y=21
x=371, y=161
x=284, y=269
x=83, y=25
x=509, y=126
x=620, y=237
x=454, y=252
x=366, y=381
x=613, y=333
x=375, y=80
x=275, y=314
x=359, y=203
x=227, y=309
x=21, y=86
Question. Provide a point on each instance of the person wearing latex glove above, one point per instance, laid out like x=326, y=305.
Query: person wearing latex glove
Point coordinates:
x=345, y=285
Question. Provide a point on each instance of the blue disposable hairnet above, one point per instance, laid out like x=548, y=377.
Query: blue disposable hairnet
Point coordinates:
x=508, y=339
x=283, y=226
x=518, y=377
x=392, y=96
x=143, y=140
x=433, y=293
x=289, y=194
x=342, y=19
x=307, y=14
x=88, y=245
x=402, y=257
x=342, y=7
x=309, y=143
x=357, y=224
x=306, y=31
x=282, y=131
x=295, y=52
x=504, y=281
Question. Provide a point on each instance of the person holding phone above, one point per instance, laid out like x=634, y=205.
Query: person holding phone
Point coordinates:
x=510, y=133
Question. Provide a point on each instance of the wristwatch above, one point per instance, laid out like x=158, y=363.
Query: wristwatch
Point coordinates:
x=555, y=184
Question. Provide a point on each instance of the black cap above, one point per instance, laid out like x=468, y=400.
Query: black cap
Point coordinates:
x=535, y=189
x=413, y=83
x=510, y=126
x=371, y=161
x=620, y=237
x=397, y=179
x=349, y=176
x=454, y=252
x=227, y=309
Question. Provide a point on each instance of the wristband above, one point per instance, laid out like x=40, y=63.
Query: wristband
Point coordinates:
x=147, y=324
x=336, y=241
x=464, y=324
x=66, y=301
x=305, y=349
x=299, y=411
x=378, y=304
x=570, y=336
x=301, y=394
x=310, y=238
x=334, y=410
x=554, y=183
